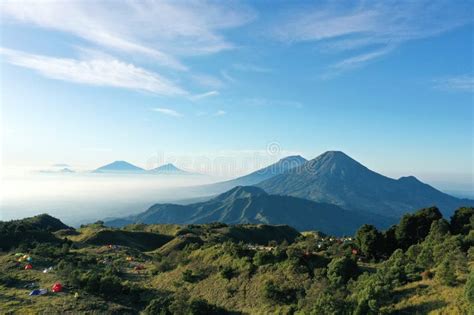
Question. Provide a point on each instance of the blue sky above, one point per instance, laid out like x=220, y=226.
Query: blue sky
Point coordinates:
x=389, y=83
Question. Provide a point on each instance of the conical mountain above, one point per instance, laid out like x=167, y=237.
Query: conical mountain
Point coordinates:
x=260, y=175
x=168, y=169
x=336, y=178
x=119, y=167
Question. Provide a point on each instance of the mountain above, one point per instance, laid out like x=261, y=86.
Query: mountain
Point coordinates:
x=336, y=178
x=169, y=169
x=249, y=204
x=66, y=170
x=260, y=175
x=119, y=167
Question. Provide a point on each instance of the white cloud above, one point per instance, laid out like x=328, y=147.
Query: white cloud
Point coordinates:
x=198, y=97
x=464, y=83
x=215, y=114
x=220, y=113
x=163, y=30
x=167, y=111
x=370, y=29
x=99, y=72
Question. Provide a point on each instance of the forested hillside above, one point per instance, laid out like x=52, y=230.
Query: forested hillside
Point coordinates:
x=423, y=264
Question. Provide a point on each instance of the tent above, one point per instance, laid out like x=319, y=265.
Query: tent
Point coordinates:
x=46, y=270
x=29, y=266
x=57, y=287
x=38, y=292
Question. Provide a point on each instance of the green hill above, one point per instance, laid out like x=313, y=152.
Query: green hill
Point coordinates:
x=252, y=205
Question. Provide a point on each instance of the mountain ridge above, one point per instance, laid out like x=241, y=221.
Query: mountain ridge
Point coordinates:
x=334, y=177
x=252, y=205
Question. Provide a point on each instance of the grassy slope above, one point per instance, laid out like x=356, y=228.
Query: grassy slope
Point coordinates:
x=244, y=292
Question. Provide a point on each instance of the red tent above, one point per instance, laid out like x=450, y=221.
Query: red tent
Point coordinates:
x=57, y=287
x=29, y=266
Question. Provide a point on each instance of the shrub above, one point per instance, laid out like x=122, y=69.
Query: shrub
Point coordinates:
x=469, y=288
x=159, y=306
x=227, y=272
x=340, y=270
x=279, y=295
x=445, y=273
x=262, y=258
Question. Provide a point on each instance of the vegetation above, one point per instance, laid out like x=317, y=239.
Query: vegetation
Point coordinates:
x=423, y=264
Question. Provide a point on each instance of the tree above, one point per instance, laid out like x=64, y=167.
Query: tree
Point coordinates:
x=329, y=303
x=445, y=273
x=279, y=294
x=413, y=228
x=340, y=270
x=439, y=230
x=159, y=306
x=369, y=241
x=469, y=288
x=201, y=307
x=462, y=220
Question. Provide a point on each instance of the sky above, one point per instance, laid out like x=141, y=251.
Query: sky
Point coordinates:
x=390, y=83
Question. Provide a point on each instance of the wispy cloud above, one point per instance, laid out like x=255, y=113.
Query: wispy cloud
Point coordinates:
x=99, y=72
x=463, y=83
x=219, y=113
x=246, y=67
x=208, y=81
x=215, y=114
x=204, y=95
x=163, y=30
x=167, y=111
x=264, y=102
x=370, y=29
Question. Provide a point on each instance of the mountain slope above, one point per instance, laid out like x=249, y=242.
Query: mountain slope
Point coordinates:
x=119, y=167
x=168, y=169
x=253, y=205
x=260, y=175
x=335, y=178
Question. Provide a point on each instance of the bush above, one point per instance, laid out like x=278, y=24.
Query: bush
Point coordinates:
x=279, y=295
x=227, y=272
x=445, y=273
x=262, y=258
x=159, y=306
x=469, y=288
x=329, y=303
x=340, y=270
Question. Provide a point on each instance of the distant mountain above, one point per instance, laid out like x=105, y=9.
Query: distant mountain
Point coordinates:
x=119, y=167
x=260, y=175
x=169, y=169
x=253, y=205
x=335, y=178
x=66, y=170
